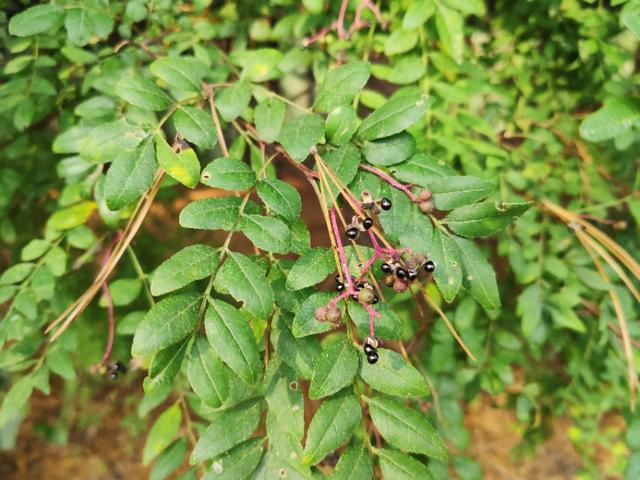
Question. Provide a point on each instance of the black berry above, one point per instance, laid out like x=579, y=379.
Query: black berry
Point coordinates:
x=375, y=300
x=339, y=287
x=352, y=232
x=367, y=223
x=119, y=367
x=401, y=273
x=359, y=286
x=368, y=349
x=372, y=358
x=386, y=268
x=412, y=274
x=429, y=266
x=385, y=203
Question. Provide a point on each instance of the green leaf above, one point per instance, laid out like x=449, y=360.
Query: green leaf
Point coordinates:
x=483, y=219
x=232, y=101
x=393, y=375
x=341, y=85
x=400, y=466
x=228, y=428
x=214, y=213
x=301, y=134
x=395, y=221
x=37, y=19
x=446, y=256
x=71, y=217
x=394, y=116
x=142, y=93
x=342, y=124
x=630, y=17
x=183, y=166
x=331, y=427
x=230, y=336
x=449, y=24
x=454, y=192
x=241, y=278
x=529, y=308
x=354, y=463
x=123, y=291
x=312, y=267
x=267, y=233
x=406, y=428
x=400, y=41
x=237, y=463
x=168, y=322
x=130, y=175
x=479, y=278
x=418, y=233
x=344, y=162
x=229, y=174
x=188, y=265
x=183, y=73
x=206, y=374
x=15, y=399
x=334, y=369
x=421, y=169
x=16, y=273
x=269, y=117
x=388, y=324
x=280, y=197
x=165, y=365
x=109, y=140
x=258, y=65
x=617, y=116
x=162, y=433
x=285, y=417
x=299, y=353
x=34, y=249
x=390, y=150
x=196, y=126
x=169, y=460
x=304, y=323
x=418, y=12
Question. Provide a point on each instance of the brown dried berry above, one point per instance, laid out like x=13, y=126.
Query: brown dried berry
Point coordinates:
x=333, y=314
x=321, y=313
x=389, y=280
x=426, y=206
x=424, y=195
x=400, y=285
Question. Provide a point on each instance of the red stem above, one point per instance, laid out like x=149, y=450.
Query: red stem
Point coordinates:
x=406, y=188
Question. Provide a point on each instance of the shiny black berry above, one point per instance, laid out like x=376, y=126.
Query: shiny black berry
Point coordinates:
x=412, y=274
x=359, y=286
x=385, y=203
x=375, y=300
x=368, y=349
x=352, y=232
x=372, y=358
x=401, y=273
x=367, y=223
x=119, y=367
x=339, y=287
x=429, y=266
x=386, y=268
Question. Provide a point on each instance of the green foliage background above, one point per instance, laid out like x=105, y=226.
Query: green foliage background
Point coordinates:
x=527, y=102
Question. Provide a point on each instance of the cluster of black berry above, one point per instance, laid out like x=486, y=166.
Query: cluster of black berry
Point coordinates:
x=370, y=206
x=115, y=369
x=370, y=348
x=399, y=273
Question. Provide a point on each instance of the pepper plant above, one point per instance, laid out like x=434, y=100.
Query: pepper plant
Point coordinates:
x=322, y=292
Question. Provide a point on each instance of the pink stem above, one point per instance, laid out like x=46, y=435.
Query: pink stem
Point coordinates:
x=344, y=294
x=372, y=316
x=367, y=266
x=343, y=11
x=391, y=181
x=343, y=257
